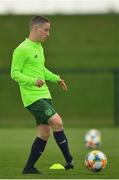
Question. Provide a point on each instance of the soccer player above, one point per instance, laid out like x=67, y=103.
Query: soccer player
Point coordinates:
x=29, y=71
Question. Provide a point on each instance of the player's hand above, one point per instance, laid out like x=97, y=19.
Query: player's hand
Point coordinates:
x=39, y=83
x=63, y=84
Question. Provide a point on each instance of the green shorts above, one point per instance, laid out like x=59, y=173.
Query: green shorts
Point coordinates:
x=42, y=110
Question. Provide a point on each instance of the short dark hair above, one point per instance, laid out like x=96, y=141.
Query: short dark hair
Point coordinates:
x=38, y=20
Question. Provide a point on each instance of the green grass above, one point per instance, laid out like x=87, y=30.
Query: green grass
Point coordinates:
x=84, y=41
x=15, y=145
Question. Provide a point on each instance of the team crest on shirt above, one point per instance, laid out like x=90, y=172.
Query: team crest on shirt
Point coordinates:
x=48, y=112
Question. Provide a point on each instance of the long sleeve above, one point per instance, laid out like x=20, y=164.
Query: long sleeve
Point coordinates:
x=18, y=62
x=51, y=76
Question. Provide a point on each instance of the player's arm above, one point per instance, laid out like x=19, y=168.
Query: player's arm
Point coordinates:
x=55, y=78
x=51, y=76
x=18, y=62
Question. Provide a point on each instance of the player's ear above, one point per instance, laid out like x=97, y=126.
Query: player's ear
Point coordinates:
x=35, y=27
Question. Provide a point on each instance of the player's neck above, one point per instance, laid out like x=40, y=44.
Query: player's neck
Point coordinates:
x=33, y=38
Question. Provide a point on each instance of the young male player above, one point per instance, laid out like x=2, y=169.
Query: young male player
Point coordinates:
x=28, y=69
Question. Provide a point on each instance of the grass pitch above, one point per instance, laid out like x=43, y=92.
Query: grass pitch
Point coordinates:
x=75, y=42
x=16, y=143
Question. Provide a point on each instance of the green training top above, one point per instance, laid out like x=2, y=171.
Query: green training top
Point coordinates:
x=27, y=67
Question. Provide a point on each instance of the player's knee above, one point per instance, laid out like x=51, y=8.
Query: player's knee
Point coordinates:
x=56, y=122
x=58, y=125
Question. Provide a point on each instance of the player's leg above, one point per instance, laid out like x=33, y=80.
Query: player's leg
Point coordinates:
x=56, y=123
x=38, y=147
x=39, y=110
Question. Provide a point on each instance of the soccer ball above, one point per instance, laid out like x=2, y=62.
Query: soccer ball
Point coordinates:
x=92, y=139
x=95, y=161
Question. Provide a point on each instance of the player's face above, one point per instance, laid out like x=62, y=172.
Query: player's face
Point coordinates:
x=42, y=32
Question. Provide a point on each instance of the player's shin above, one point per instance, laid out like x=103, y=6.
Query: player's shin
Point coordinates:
x=36, y=151
x=62, y=142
